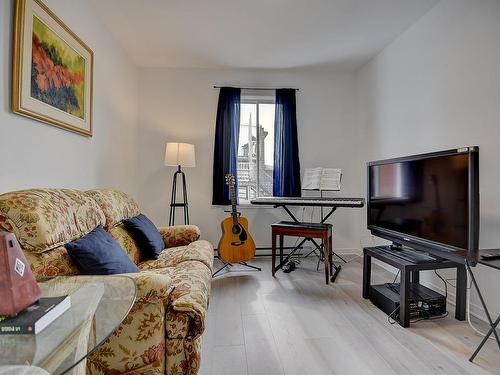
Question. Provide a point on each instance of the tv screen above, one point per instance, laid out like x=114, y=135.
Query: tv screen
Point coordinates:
x=429, y=202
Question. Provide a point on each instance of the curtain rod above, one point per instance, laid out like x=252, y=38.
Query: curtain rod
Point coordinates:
x=253, y=88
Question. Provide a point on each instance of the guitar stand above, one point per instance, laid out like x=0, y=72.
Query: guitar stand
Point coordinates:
x=228, y=265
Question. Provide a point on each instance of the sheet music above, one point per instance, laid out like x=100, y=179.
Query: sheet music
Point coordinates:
x=312, y=179
x=322, y=179
x=330, y=179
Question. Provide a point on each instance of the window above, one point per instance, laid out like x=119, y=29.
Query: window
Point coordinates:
x=253, y=160
x=256, y=146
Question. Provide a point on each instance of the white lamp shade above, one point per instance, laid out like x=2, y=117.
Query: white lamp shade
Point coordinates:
x=179, y=154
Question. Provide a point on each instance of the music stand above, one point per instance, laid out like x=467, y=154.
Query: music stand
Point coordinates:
x=333, y=187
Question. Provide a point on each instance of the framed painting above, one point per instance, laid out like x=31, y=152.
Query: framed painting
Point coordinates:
x=52, y=70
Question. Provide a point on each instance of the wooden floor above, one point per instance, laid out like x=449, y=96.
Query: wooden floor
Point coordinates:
x=295, y=324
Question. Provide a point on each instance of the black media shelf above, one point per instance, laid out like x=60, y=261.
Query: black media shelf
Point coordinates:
x=410, y=276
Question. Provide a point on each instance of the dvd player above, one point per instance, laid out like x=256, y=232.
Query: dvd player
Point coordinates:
x=424, y=302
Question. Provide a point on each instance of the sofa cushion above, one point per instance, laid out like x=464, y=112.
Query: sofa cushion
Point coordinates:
x=126, y=241
x=98, y=253
x=115, y=204
x=146, y=235
x=43, y=219
x=201, y=251
x=51, y=263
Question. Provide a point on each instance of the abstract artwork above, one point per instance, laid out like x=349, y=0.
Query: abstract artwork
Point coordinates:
x=52, y=70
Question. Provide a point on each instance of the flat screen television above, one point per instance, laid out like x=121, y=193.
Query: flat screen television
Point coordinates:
x=428, y=202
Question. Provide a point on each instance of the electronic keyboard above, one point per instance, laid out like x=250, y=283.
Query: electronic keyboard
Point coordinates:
x=310, y=201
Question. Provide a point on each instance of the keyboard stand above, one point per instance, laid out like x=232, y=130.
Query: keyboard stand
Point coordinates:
x=331, y=203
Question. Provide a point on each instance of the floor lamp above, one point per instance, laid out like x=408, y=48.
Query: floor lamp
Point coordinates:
x=179, y=155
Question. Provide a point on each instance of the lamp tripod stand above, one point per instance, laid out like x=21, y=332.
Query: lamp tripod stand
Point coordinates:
x=173, y=203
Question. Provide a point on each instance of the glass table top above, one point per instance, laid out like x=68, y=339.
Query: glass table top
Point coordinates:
x=98, y=306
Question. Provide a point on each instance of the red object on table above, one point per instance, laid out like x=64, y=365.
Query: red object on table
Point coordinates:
x=18, y=287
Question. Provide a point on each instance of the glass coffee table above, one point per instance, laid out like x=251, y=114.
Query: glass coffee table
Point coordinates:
x=99, y=304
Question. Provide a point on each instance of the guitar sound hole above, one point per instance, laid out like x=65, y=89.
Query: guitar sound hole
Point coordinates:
x=236, y=229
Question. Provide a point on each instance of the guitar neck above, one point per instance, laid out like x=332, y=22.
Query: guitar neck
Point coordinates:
x=234, y=213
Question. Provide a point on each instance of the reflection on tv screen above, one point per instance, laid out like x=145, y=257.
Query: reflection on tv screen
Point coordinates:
x=425, y=198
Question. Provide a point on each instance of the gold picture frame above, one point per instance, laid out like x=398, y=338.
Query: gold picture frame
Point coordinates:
x=52, y=70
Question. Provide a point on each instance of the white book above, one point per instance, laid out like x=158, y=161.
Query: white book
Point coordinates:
x=36, y=317
x=322, y=179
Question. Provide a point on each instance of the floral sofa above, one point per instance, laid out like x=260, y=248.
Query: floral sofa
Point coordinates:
x=162, y=333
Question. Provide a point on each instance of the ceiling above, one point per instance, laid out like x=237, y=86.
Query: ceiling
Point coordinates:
x=272, y=34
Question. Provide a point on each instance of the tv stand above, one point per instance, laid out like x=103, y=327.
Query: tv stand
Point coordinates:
x=410, y=272
x=408, y=254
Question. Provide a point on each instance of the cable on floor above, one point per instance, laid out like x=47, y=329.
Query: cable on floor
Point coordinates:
x=479, y=332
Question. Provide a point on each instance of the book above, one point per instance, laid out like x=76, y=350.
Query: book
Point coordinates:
x=36, y=317
x=322, y=179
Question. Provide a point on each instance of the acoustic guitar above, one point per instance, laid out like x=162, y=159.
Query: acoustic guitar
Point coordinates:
x=236, y=244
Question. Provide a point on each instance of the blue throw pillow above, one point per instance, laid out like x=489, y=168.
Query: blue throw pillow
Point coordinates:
x=145, y=233
x=98, y=253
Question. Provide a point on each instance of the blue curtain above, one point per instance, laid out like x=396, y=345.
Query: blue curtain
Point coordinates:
x=286, y=175
x=227, y=132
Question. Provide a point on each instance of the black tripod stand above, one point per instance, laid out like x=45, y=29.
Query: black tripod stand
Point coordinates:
x=173, y=203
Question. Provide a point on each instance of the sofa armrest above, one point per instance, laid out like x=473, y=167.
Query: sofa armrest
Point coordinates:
x=188, y=302
x=139, y=342
x=152, y=287
x=179, y=235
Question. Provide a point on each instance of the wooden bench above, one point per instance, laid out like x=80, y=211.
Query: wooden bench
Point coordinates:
x=306, y=230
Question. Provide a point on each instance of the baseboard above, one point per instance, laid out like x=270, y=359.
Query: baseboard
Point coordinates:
x=263, y=251
x=266, y=252
x=349, y=251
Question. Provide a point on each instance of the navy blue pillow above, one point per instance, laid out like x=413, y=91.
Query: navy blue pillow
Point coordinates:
x=98, y=253
x=145, y=233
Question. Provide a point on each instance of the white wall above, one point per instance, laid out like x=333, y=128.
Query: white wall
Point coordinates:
x=39, y=155
x=437, y=87
x=181, y=105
